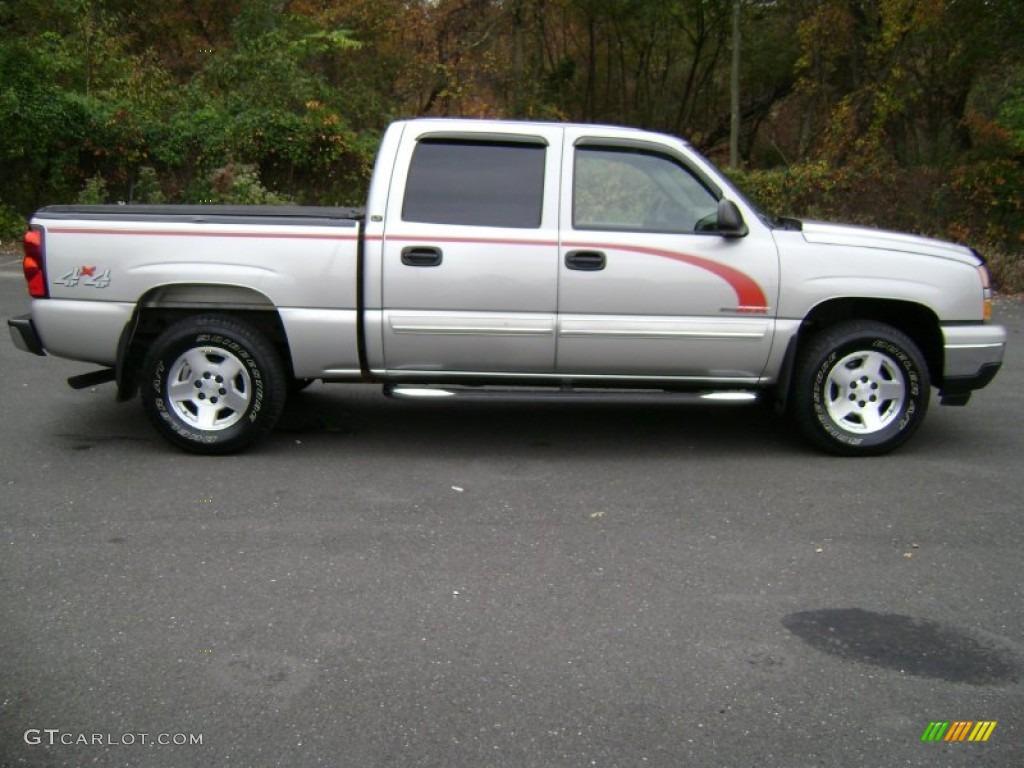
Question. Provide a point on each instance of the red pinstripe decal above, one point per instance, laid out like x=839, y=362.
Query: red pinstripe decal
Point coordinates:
x=480, y=240
x=178, y=233
x=749, y=294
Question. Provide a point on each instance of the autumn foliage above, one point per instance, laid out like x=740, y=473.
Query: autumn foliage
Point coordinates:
x=903, y=113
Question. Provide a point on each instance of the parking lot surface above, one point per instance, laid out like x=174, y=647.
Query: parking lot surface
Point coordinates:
x=439, y=584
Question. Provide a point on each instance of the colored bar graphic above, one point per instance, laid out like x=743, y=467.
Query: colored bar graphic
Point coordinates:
x=982, y=730
x=959, y=730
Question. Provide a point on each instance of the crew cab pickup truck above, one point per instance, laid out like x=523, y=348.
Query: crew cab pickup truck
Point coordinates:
x=510, y=259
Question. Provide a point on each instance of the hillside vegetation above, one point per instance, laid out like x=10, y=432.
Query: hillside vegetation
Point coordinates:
x=898, y=113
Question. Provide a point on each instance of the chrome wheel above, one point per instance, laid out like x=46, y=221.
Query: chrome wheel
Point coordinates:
x=213, y=384
x=860, y=388
x=209, y=388
x=864, y=392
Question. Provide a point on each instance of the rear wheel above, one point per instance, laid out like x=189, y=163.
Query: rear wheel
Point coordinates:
x=212, y=384
x=860, y=388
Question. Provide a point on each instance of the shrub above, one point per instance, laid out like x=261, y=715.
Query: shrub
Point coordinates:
x=12, y=225
x=987, y=203
x=1005, y=269
x=980, y=204
x=94, y=192
x=239, y=184
x=147, y=187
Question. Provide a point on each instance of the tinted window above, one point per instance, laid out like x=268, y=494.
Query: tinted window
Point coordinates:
x=475, y=183
x=638, y=191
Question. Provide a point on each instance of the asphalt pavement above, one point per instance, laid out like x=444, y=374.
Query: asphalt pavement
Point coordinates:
x=439, y=584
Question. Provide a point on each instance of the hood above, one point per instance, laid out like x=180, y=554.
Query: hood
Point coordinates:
x=864, y=237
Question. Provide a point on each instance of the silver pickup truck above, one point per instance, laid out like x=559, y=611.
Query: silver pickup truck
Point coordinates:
x=507, y=259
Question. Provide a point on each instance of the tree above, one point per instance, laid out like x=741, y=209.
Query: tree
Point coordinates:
x=894, y=77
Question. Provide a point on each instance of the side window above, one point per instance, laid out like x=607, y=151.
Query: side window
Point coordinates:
x=638, y=191
x=483, y=184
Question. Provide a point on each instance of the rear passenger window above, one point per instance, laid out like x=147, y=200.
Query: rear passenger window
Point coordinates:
x=483, y=184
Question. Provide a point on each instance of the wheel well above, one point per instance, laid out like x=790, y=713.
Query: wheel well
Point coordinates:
x=165, y=306
x=916, y=321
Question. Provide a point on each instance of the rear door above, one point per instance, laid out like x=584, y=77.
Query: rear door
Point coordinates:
x=647, y=287
x=470, y=252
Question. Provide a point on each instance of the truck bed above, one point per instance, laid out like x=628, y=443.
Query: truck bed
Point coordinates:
x=107, y=262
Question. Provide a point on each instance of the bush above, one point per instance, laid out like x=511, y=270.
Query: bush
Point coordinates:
x=980, y=204
x=239, y=184
x=94, y=192
x=854, y=195
x=1005, y=269
x=987, y=203
x=12, y=225
x=147, y=187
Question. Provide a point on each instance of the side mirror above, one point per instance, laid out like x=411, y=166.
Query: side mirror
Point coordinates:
x=730, y=220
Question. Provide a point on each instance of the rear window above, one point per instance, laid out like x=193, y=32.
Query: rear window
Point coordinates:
x=483, y=184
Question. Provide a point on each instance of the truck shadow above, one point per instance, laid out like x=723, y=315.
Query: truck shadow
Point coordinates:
x=359, y=417
x=334, y=416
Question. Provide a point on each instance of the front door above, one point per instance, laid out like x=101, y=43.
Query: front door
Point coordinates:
x=648, y=289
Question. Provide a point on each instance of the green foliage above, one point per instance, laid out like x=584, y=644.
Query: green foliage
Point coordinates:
x=901, y=113
x=147, y=187
x=1011, y=115
x=94, y=192
x=985, y=203
x=894, y=78
x=981, y=203
x=12, y=224
x=239, y=184
x=819, y=191
x=80, y=103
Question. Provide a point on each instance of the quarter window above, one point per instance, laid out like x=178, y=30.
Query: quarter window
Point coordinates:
x=483, y=184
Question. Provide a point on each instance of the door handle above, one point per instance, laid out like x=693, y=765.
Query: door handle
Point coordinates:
x=585, y=261
x=422, y=256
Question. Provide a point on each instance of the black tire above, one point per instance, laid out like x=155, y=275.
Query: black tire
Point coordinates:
x=212, y=384
x=860, y=388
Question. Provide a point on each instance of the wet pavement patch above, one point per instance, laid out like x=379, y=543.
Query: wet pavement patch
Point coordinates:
x=267, y=674
x=915, y=646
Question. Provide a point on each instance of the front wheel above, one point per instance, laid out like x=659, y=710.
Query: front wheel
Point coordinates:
x=861, y=388
x=212, y=384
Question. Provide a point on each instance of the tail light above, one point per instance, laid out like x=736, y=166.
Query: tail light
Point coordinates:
x=34, y=264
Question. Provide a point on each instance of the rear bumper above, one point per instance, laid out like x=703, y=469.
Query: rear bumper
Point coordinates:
x=24, y=336
x=973, y=355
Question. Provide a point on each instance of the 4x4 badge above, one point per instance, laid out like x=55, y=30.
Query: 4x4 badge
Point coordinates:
x=94, y=277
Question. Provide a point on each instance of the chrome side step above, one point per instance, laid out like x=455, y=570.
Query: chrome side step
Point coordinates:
x=533, y=394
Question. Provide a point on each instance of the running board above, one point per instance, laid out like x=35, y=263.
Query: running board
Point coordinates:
x=533, y=394
x=91, y=379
